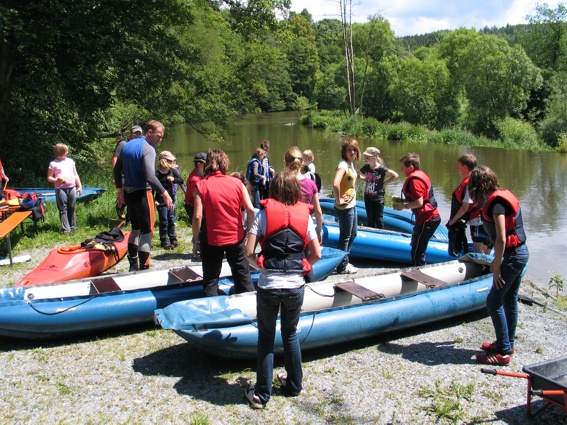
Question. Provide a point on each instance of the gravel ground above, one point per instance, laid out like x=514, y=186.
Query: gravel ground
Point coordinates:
x=146, y=375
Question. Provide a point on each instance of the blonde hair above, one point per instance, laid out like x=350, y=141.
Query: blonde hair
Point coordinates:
x=167, y=160
x=60, y=149
x=293, y=159
x=308, y=153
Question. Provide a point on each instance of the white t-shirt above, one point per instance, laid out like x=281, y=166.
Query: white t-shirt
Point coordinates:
x=276, y=280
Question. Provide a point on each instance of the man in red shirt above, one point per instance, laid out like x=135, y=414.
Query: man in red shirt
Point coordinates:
x=419, y=197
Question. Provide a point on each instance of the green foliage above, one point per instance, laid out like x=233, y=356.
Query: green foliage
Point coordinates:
x=517, y=133
x=557, y=282
x=562, y=148
x=406, y=131
x=449, y=403
x=373, y=128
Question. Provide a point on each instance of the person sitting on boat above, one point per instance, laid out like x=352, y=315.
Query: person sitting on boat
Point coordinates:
x=284, y=229
x=502, y=220
x=463, y=208
x=419, y=197
x=63, y=174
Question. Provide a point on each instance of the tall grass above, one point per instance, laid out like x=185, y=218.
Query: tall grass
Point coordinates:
x=514, y=134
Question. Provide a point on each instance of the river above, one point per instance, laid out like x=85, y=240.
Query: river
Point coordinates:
x=539, y=180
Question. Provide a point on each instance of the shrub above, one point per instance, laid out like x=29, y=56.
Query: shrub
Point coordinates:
x=517, y=133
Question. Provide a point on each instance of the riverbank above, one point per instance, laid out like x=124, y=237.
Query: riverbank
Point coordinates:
x=148, y=375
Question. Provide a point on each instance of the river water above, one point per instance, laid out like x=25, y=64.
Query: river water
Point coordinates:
x=539, y=180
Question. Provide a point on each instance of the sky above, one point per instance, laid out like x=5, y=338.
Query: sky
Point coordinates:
x=414, y=17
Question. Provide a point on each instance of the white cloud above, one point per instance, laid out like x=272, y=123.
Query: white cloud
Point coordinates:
x=409, y=17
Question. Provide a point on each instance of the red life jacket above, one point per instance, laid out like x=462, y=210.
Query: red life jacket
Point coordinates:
x=457, y=200
x=285, y=238
x=514, y=226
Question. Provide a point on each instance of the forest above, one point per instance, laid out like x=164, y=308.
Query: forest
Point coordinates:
x=82, y=72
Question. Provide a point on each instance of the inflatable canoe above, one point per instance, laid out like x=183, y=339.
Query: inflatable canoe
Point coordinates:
x=337, y=312
x=94, y=304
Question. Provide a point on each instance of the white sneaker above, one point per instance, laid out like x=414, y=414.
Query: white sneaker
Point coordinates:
x=349, y=269
x=253, y=399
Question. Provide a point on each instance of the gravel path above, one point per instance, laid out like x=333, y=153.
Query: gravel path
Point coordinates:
x=146, y=375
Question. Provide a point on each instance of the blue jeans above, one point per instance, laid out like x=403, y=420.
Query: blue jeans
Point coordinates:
x=420, y=238
x=166, y=224
x=255, y=191
x=502, y=303
x=348, y=222
x=268, y=302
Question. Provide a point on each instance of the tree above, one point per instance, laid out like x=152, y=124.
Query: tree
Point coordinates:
x=546, y=43
x=498, y=80
x=346, y=21
x=302, y=56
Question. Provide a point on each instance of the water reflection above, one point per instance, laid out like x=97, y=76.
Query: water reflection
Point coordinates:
x=538, y=179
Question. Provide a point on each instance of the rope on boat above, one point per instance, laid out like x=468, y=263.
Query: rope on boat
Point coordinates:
x=60, y=311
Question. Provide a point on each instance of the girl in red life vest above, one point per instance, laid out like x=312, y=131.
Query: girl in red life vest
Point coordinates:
x=284, y=230
x=502, y=220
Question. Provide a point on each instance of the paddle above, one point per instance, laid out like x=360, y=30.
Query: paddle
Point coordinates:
x=530, y=301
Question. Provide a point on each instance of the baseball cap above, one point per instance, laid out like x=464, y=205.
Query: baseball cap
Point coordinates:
x=136, y=129
x=200, y=157
x=372, y=151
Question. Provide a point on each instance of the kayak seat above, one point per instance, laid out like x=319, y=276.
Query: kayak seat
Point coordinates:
x=359, y=291
x=183, y=274
x=418, y=276
x=105, y=284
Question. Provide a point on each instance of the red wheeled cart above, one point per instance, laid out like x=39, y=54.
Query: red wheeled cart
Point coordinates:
x=547, y=380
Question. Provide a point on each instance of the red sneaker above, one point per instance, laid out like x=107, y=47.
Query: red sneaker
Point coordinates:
x=493, y=359
x=491, y=347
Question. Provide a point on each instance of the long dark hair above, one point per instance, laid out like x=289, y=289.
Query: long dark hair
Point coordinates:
x=482, y=183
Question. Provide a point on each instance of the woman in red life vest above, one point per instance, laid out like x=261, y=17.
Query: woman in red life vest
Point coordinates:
x=502, y=220
x=284, y=229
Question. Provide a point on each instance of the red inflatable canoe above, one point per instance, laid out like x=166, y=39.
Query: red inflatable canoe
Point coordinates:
x=76, y=262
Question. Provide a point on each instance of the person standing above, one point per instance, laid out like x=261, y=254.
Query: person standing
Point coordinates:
x=374, y=173
x=255, y=175
x=419, y=197
x=502, y=220
x=284, y=229
x=219, y=199
x=463, y=208
x=63, y=174
x=344, y=189
x=195, y=177
x=135, y=131
x=3, y=179
x=309, y=193
x=168, y=176
x=137, y=163
x=269, y=171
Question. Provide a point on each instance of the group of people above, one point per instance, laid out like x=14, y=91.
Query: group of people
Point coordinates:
x=493, y=214
x=221, y=207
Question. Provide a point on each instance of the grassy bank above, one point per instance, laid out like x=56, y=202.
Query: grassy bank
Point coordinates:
x=515, y=134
